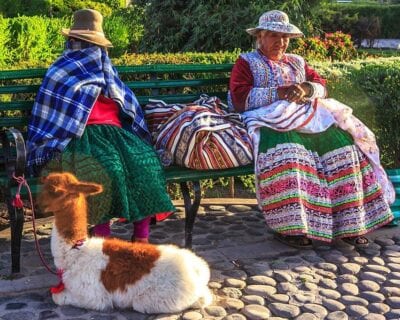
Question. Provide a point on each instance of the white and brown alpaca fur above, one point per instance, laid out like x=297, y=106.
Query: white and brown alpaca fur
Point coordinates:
x=105, y=273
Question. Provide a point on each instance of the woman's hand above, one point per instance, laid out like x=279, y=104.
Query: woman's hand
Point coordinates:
x=294, y=93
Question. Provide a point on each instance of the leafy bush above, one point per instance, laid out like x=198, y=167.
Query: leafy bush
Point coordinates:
x=56, y=8
x=381, y=81
x=177, y=58
x=125, y=29
x=209, y=26
x=339, y=46
x=4, y=38
x=32, y=39
x=335, y=46
x=361, y=20
x=73, y=5
x=311, y=49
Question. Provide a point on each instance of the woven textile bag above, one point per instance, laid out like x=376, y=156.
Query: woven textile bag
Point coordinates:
x=201, y=135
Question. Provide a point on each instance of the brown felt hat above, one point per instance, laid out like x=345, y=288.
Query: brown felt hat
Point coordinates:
x=88, y=26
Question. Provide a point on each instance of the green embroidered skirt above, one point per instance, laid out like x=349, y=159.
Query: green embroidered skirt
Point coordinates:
x=127, y=167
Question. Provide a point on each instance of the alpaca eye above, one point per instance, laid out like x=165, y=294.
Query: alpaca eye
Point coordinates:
x=54, y=191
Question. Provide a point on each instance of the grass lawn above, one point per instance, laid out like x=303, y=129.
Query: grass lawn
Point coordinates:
x=379, y=52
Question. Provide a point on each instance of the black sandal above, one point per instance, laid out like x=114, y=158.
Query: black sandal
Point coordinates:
x=357, y=241
x=299, y=242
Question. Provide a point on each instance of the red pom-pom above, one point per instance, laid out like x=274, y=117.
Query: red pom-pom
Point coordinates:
x=17, y=202
x=57, y=289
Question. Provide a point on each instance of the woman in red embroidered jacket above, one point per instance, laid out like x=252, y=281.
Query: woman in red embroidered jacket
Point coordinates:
x=314, y=180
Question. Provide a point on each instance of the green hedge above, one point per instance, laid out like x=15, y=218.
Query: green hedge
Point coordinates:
x=37, y=40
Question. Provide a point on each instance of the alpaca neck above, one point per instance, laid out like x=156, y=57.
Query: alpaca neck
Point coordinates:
x=71, y=221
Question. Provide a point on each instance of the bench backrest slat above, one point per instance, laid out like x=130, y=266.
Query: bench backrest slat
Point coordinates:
x=14, y=89
x=16, y=106
x=192, y=83
x=174, y=68
x=156, y=84
x=22, y=74
x=16, y=122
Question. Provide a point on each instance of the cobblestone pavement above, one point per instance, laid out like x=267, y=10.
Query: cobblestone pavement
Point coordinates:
x=253, y=276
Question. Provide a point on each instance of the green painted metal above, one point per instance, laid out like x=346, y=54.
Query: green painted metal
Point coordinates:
x=394, y=176
x=144, y=84
x=180, y=174
x=16, y=105
x=178, y=98
x=142, y=69
x=175, y=68
x=9, y=122
x=22, y=74
x=29, y=88
x=149, y=84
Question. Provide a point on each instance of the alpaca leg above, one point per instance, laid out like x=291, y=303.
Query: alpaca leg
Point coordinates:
x=93, y=301
x=62, y=298
x=205, y=299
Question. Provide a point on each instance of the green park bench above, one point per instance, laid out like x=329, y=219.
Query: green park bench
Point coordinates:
x=171, y=83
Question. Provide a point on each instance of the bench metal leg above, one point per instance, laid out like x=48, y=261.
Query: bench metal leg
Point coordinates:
x=16, y=223
x=191, y=209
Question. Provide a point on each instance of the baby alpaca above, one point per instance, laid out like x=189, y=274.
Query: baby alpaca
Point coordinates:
x=102, y=273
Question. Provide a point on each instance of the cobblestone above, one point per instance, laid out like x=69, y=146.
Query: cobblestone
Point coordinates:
x=253, y=276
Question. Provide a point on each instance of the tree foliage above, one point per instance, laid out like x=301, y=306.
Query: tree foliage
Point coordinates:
x=56, y=8
x=201, y=25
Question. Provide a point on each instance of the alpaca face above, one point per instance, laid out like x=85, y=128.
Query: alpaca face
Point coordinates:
x=60, y=190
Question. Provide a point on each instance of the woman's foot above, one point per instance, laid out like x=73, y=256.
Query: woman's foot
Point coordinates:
x=300, y=242
x=102, y=230
x=357, y=241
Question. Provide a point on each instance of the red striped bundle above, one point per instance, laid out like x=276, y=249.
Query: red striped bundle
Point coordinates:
x=200, y=135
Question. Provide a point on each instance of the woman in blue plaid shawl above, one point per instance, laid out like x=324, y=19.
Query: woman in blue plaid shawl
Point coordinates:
x=85, y=120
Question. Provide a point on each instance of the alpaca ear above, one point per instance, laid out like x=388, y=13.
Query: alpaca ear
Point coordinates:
x=86, y=188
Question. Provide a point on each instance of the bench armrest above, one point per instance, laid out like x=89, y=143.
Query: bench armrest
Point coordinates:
x=14, y=152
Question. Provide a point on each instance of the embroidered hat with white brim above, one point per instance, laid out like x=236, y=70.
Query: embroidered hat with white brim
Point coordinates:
x=276, y=21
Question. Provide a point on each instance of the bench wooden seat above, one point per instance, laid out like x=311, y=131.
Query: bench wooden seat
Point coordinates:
x=171, y=83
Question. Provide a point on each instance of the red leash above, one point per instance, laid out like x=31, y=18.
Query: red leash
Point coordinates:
x=17, y=203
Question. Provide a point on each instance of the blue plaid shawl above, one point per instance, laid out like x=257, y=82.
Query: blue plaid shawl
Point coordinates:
x=67, y=94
